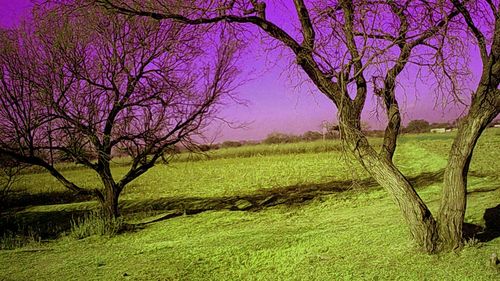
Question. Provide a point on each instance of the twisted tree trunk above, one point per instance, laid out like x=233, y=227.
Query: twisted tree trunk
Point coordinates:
x=418, y=218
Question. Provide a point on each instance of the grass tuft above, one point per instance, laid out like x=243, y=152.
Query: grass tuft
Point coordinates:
x=95, y=223
x=10, y=241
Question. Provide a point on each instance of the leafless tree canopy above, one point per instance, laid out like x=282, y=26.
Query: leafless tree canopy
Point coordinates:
x=84, y=84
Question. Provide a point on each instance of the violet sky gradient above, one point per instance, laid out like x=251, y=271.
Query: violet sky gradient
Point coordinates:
x=279, y=103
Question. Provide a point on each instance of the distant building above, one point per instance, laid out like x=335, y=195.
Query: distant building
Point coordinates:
x=496, y=126
x=440, y=130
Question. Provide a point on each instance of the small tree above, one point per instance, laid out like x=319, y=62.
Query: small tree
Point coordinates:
x=84, y=84
x=330, y=130
x=417, y=126
x=228, y=144
x=276, y=138
x=312, y=136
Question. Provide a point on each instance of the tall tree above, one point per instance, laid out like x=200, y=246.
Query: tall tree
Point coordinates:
x=89, y=85
x=480, y=18
x=349, y=48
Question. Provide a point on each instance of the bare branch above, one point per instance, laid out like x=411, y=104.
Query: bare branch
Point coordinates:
x=267, y=26
x=307, y=27
x=474, y=29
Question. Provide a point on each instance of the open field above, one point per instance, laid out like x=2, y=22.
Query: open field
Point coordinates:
x=267, y=212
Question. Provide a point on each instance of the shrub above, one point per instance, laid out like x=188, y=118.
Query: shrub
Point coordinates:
x=417, y=126
x=204, y=147
x=227, y=144
x=275, y=138
x=312, y=136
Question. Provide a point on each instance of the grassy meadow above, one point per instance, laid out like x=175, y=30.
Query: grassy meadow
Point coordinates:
x=301, y=211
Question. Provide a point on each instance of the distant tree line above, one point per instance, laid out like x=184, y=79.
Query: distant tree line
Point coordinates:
x=423, y=126
x=332, y=132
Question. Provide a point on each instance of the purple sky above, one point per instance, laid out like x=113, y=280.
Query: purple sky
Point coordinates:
x=275, y=103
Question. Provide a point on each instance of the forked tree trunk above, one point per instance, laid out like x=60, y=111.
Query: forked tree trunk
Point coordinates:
x=421, y=223
x=454, y=195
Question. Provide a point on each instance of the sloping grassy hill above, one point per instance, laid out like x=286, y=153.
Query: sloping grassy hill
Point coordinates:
x=317, y=224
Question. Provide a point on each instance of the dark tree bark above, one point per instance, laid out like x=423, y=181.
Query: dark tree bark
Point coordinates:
x=108, y=198
x=421, y=223
x=454, y=195
x=485, y=106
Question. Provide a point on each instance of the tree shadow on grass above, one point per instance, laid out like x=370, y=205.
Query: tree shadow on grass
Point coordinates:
x=263, y=198
x=50, y=224
x=39, y=225
x=20, y=200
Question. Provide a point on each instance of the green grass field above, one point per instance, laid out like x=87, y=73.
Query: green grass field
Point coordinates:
x=266, y=212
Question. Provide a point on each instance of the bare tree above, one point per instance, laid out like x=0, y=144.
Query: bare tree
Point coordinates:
x=347, y=46
x=481, y=18
x=92, y=86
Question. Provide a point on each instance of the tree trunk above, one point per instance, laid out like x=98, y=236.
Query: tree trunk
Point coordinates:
x=421, y=223
x=454, y=195
x=392, y=130
x=109, y=200
x=111, y=204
